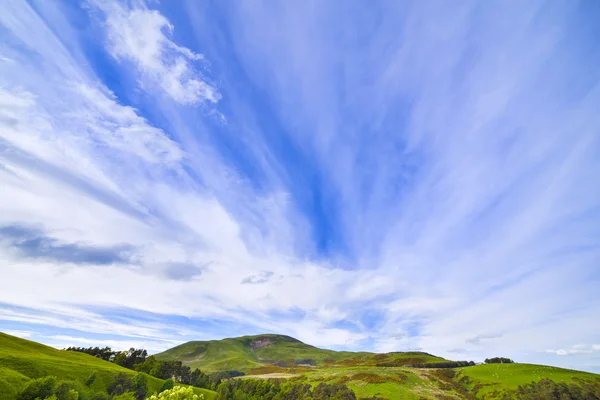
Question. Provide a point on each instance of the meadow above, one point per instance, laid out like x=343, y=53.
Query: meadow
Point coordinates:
x=22, y=360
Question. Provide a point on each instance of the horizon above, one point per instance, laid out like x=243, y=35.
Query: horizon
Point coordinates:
x=412, y=176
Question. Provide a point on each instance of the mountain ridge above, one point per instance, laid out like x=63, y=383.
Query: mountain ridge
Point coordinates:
x=249, y=352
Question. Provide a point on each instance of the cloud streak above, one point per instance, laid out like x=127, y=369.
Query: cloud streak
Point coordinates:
x=422, y=182
x=141, y=36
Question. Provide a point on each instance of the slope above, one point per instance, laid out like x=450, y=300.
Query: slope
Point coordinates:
x=22, y=360
x=251, y=353
x=493, y=379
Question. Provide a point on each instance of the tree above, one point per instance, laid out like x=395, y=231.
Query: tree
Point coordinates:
x=38, y=388
x=169, y=384
x=120, y=385
x=140, y=385
x=178, y=393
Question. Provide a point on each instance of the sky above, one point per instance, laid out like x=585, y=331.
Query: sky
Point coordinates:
x=380, y=176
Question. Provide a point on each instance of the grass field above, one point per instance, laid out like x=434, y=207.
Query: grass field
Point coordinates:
x=485, y=381
x=497, y=377
x=22, y=360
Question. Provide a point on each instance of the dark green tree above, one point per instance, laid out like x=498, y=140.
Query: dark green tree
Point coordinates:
x=38, y=388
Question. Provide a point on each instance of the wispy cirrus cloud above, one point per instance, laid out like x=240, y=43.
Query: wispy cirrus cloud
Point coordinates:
x=423, y=182
x=142, y=36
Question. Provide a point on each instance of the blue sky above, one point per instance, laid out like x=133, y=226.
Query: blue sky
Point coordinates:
x=379, y=176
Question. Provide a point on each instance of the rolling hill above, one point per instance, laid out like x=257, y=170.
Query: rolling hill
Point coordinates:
x=253, y=353
x=22, y=360
x=369, y=375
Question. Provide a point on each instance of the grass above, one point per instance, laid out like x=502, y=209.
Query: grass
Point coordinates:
x=369, y=375
x=488, y=381
x=253, y=353
x=22, y=360
x=497, y=377
x=374, y=382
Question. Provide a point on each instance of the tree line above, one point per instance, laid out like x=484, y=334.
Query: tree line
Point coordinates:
x=498, y=360
x=274, y=389
x=122, y=387
x=445, y=364
x=138, y=360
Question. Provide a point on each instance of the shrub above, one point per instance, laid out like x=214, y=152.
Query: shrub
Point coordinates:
x=92, y=378
x=177, y=393
x=124, y=396
x=169, y=384
x=42, y=388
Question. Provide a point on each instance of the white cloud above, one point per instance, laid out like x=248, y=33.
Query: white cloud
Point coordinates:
x=577, y=349
x=141, y=35
x=18, y=333
x=458, y=179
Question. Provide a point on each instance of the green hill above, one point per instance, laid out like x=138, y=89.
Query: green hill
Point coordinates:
x=253, y=353
x=22, y=360
x=370, y=375
x=492, y=379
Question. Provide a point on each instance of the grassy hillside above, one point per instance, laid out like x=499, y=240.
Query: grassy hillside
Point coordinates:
x=253, y=353
x=477, y=382
x=22, y=360
x=369, y=375
x=499, y=377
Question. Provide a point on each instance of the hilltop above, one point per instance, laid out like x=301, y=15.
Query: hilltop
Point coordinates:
x=22, y=360
x=253, y=353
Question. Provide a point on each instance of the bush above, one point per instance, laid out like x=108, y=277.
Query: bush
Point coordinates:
x=92, y=378
x=169, y=384
x=125, y=396
x=178, y=393
x=121, y=384
x=38, y=388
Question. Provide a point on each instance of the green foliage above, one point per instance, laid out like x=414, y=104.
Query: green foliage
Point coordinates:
x=169, y=384
x=177, y=393
x=38, y=388
x=252, y=389
x=90, y=381
x=32, y=371
x=50, y=388
x=498, y=360
x=140, y=386
x=22, y=361
x=549, y=390
x=445, y=364
x=124, y=396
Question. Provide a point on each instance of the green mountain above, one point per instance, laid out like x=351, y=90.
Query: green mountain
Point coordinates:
x=253, y=353
x=381, y=376
x=22, y=360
